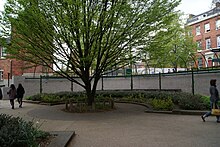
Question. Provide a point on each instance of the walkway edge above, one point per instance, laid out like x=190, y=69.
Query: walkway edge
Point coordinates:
x=62, y=138
x=177, y=111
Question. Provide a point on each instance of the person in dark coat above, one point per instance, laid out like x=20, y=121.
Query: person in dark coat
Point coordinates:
x=1, y=95
x=20, y=94
x=12, y=95
x=214, y=98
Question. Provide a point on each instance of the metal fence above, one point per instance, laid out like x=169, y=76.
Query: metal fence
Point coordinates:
x=196, y=82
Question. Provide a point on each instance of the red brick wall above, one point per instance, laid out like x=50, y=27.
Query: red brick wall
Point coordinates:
x=212, y=34
x=18, y=68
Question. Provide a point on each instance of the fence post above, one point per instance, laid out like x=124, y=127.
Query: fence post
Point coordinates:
x=131, y=81
x=8, y=79
x=193, y=82
x=102, y=84
x=160, y=81
x=41, y=89
x=72, y=86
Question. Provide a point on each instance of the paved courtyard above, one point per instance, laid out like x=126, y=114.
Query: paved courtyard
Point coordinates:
x=127, y=126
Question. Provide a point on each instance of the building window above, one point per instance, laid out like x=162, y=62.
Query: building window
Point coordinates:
x=218, y=41
x=209, y=62
x=217, y=23
x=198, y=30
x=1, y=75
x=2, y=52
x=200, y=64
x=208, y=43
x=207, y=27
x=199, y=44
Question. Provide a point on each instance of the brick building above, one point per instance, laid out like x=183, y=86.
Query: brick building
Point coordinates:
x=12, y=67
x=206, y=32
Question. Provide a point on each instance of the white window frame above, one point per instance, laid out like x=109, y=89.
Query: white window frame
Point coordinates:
x=198, y=30
x=208, y=43
x=207, y=27
x=199, y=44
x=2, y=52
x=217, y=24
x=218, y=41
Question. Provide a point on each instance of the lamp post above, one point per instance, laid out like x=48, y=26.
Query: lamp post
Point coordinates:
x=10, y=69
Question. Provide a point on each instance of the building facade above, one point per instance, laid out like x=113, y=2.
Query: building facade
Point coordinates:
x=206, y=31
x=13, y=67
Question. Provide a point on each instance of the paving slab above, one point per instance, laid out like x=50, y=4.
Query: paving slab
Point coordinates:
x=127, y=126
x=62, y=138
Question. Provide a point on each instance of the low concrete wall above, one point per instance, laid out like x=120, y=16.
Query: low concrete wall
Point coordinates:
x=168, y=81
x=4, y=92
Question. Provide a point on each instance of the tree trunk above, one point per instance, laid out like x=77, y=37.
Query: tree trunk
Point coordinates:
x=90, y=95
x=91, y=92
x=90, y=98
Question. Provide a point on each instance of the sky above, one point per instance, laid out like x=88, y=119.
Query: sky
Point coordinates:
x=195, y=7
x=187, y=6
x=2, y=4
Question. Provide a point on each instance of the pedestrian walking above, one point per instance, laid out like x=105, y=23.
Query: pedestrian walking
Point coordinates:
x=214, y=98
x=12, y=95
x=20, y=94
x=1, y=95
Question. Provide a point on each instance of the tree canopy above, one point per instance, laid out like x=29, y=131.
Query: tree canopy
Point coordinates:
x=173, y=46
x=86, y=37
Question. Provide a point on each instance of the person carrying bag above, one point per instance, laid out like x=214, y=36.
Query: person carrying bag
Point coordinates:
x=215, y=110
x=214, y=98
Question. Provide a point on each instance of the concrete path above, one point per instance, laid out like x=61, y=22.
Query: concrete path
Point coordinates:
x=127, y=126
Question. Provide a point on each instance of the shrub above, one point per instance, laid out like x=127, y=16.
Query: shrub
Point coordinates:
x=206, y=101
x=36, y=97
x=57, y=97
x=14, y=131
x=182, y=99
x=162, y=104
x=192, y=102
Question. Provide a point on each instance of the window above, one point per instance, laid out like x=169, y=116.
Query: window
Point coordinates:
x=199, y=44
x=1, y=75
x=218, y=41
x=217, y=23
x=200, y=64
x=198, y=30
x=2, y=52
x=209, y=62
x=192, y=64
x=207, y=27
x=208, y=43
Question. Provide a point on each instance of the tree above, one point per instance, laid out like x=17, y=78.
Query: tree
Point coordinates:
x=173, y=46
x=87, y=37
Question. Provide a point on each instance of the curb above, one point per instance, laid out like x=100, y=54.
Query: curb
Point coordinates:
x=174, y=111
x=61, y=139
x=43, y=103
x=141, y=104
x=32, y=102
x=181, y=112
